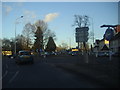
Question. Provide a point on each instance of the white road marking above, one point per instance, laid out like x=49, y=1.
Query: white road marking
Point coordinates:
x=13, y=77
x=4, y=75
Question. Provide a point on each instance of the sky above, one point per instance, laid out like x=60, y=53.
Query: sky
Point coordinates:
x=59, y=16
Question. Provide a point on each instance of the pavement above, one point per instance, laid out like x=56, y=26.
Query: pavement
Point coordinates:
x=101, y=70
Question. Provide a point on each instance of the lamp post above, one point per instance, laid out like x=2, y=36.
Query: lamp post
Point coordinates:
x=15, y=32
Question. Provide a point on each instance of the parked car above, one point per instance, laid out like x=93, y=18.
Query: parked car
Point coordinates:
x=103, y=54
x=74, y=53
x=54, y=53
x=12, y=56
x=70, y=52
x=24, y=57
x=7, y=54
x=107, y=54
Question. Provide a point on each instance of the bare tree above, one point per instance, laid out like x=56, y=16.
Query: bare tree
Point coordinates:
x=42, y=25
x=28, y=33
x=64, y=45
x=86, y=21
x=81, y=21
x=6, y=44
x=78, y=20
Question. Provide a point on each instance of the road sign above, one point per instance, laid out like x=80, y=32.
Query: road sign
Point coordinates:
x=81, y=39
x=82, y=29
x=81, y=34
x=109, y=33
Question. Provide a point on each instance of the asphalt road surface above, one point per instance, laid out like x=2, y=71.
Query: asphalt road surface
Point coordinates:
x=42, y=74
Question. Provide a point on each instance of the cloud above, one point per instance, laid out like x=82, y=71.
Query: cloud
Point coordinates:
x=8, y=9
x=51, y=16
x=29, y=16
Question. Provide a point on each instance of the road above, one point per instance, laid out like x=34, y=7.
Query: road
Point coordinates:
x=42, y=74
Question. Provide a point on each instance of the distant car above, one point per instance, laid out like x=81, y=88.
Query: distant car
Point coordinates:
x=7, y=53
x=103, y=54
x=50, y=53
x=54, y=53
x=69, y=53
x=74, y=53
x=47, y=54
x=24, y=57
x=107, y=54
x=12, y=56
x=44, y=54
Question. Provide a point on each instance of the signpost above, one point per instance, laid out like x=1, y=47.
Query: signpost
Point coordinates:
x=82, y=34
x=109, y=33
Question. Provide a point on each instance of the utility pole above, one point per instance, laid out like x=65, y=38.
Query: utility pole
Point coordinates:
x=70, y=42
x=92, y=29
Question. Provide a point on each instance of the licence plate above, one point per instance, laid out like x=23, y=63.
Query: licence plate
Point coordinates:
x=26, y=56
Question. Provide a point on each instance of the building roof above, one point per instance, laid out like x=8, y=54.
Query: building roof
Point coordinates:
x=98, y=41
x=105, y=48
x=102, y=40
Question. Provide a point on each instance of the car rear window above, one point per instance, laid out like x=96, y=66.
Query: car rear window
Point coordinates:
x=25, y=53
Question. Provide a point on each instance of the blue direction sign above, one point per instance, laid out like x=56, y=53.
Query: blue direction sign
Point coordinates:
x=109, y=33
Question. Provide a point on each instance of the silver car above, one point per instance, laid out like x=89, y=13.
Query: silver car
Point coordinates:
x=24, y=57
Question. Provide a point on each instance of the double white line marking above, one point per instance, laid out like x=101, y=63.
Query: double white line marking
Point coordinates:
x=14, y=76
x=6, y=72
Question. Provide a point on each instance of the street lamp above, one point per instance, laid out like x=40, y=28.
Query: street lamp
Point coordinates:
x=15, y=32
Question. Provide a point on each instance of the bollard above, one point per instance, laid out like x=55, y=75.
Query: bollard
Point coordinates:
x=110, y=55
x=44, y=56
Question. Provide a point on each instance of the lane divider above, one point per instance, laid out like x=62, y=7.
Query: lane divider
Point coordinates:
x=4, y=75
x=14, y=76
